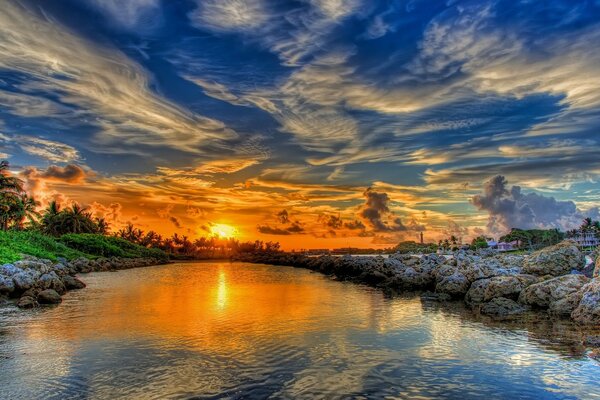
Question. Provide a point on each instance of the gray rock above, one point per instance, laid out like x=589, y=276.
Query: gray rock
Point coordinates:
x=588, y=310
x=72, y=283
x=48, y=296
x=7, y=286
x=544, y=293
x=9, y=270
x=565, y=306
x=455, y=285
x=502, y=307
x=556, y=260
x=23, y=281
x=52, y=281
x=27, y=302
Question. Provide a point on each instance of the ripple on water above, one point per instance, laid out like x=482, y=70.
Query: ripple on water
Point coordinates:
x=214, y=330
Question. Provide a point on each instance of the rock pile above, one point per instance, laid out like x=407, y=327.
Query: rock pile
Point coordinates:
x=34, y=281
x=495, y=284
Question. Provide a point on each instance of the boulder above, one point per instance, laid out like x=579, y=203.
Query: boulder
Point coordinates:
x=544, y=293
x=455, y=285
x=596, y=273
x=9, y=270
x=48, y=296
x=7, y=286
x=565, y=306
x=27, y=302
x=502, y=307
x=476, y=293
x=72, y=283
x=588, y=310
x=52, y=281
x=504, y=286
x=556, y=260
x=23, y=281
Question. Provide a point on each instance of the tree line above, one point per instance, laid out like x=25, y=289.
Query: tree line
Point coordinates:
x=19, y=211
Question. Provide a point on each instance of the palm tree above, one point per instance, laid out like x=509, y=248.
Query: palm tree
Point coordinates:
x=8, y=182
x=27, y=211
x=76, y=219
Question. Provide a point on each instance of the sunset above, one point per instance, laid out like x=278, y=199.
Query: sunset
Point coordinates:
x=433, y=162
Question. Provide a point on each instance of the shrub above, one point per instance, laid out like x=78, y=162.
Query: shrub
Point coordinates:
x=108, y=246
x=15, y=243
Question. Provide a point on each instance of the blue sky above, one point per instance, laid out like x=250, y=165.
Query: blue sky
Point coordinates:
x=247, y=107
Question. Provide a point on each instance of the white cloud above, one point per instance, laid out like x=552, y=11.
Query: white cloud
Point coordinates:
x=47, y=149
x=230, y=15
x=112, y=90
x=130, y=14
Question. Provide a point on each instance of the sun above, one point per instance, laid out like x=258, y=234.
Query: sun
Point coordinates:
x=223, y=231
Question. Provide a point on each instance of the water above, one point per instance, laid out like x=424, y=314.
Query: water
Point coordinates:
x=214, y=330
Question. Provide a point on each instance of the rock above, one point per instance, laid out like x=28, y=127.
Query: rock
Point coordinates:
x=544, y=293
x=72, y=283
x=592, y=340
x=588, y=310
x=504, y=286
x=596, y=273
x=49, y=296
x=565, y=306
x=455, y=285
x=430, y=296
x=9, y=270
x=476, y=293
x=52, y=281
x=555, y=260
x=7, y=286
x=23, y=281
x=502, y=307
x=27, y=302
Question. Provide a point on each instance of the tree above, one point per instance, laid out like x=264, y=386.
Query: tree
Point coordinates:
x=16, y=206
x=479, y=242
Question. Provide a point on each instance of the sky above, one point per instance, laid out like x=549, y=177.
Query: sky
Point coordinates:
x=315, y=123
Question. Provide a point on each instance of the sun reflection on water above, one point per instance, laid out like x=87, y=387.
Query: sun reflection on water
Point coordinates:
x=222, y=290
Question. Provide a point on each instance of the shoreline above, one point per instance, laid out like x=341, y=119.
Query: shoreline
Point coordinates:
x=32, y=282
x=555, y=280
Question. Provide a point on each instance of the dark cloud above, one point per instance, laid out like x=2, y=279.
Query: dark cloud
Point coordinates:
x=283, y=217
x=70, y=173
x=511, y=208
x=294, y=228
x=175, y=222
x=331, y=221
x=354, y=225
x=376, y=213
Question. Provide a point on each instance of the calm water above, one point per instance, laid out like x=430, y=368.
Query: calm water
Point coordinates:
x=213, y=330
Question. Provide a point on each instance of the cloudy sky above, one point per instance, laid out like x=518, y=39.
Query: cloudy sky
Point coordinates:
x=317, y=123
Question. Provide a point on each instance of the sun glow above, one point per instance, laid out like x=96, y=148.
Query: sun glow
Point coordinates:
x=223, y=231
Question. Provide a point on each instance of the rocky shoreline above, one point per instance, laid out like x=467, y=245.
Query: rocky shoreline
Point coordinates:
x=32, y=282
x=555, y=280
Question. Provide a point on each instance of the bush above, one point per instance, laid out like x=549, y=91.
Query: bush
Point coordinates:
x=15, y=243
x=108, y=246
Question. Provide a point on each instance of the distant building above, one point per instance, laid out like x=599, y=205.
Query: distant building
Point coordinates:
x=586, y=239
x=508, y=246
x=316, y=252
x=492, y=244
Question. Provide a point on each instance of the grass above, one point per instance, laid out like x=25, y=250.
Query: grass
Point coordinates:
x=13, y=245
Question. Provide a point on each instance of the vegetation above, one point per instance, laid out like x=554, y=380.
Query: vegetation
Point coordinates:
x=480, y=242
x=534, y=238
x=16, y=207
x=15, y=243
x=108, y=246
x=414, y=247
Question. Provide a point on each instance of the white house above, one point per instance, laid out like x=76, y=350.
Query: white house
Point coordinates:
x=586, y=239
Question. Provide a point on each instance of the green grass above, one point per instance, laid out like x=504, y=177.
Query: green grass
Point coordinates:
x=108, y=246
x=14, y=244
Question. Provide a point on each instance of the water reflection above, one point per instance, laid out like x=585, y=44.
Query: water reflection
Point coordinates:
x=214, y=329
